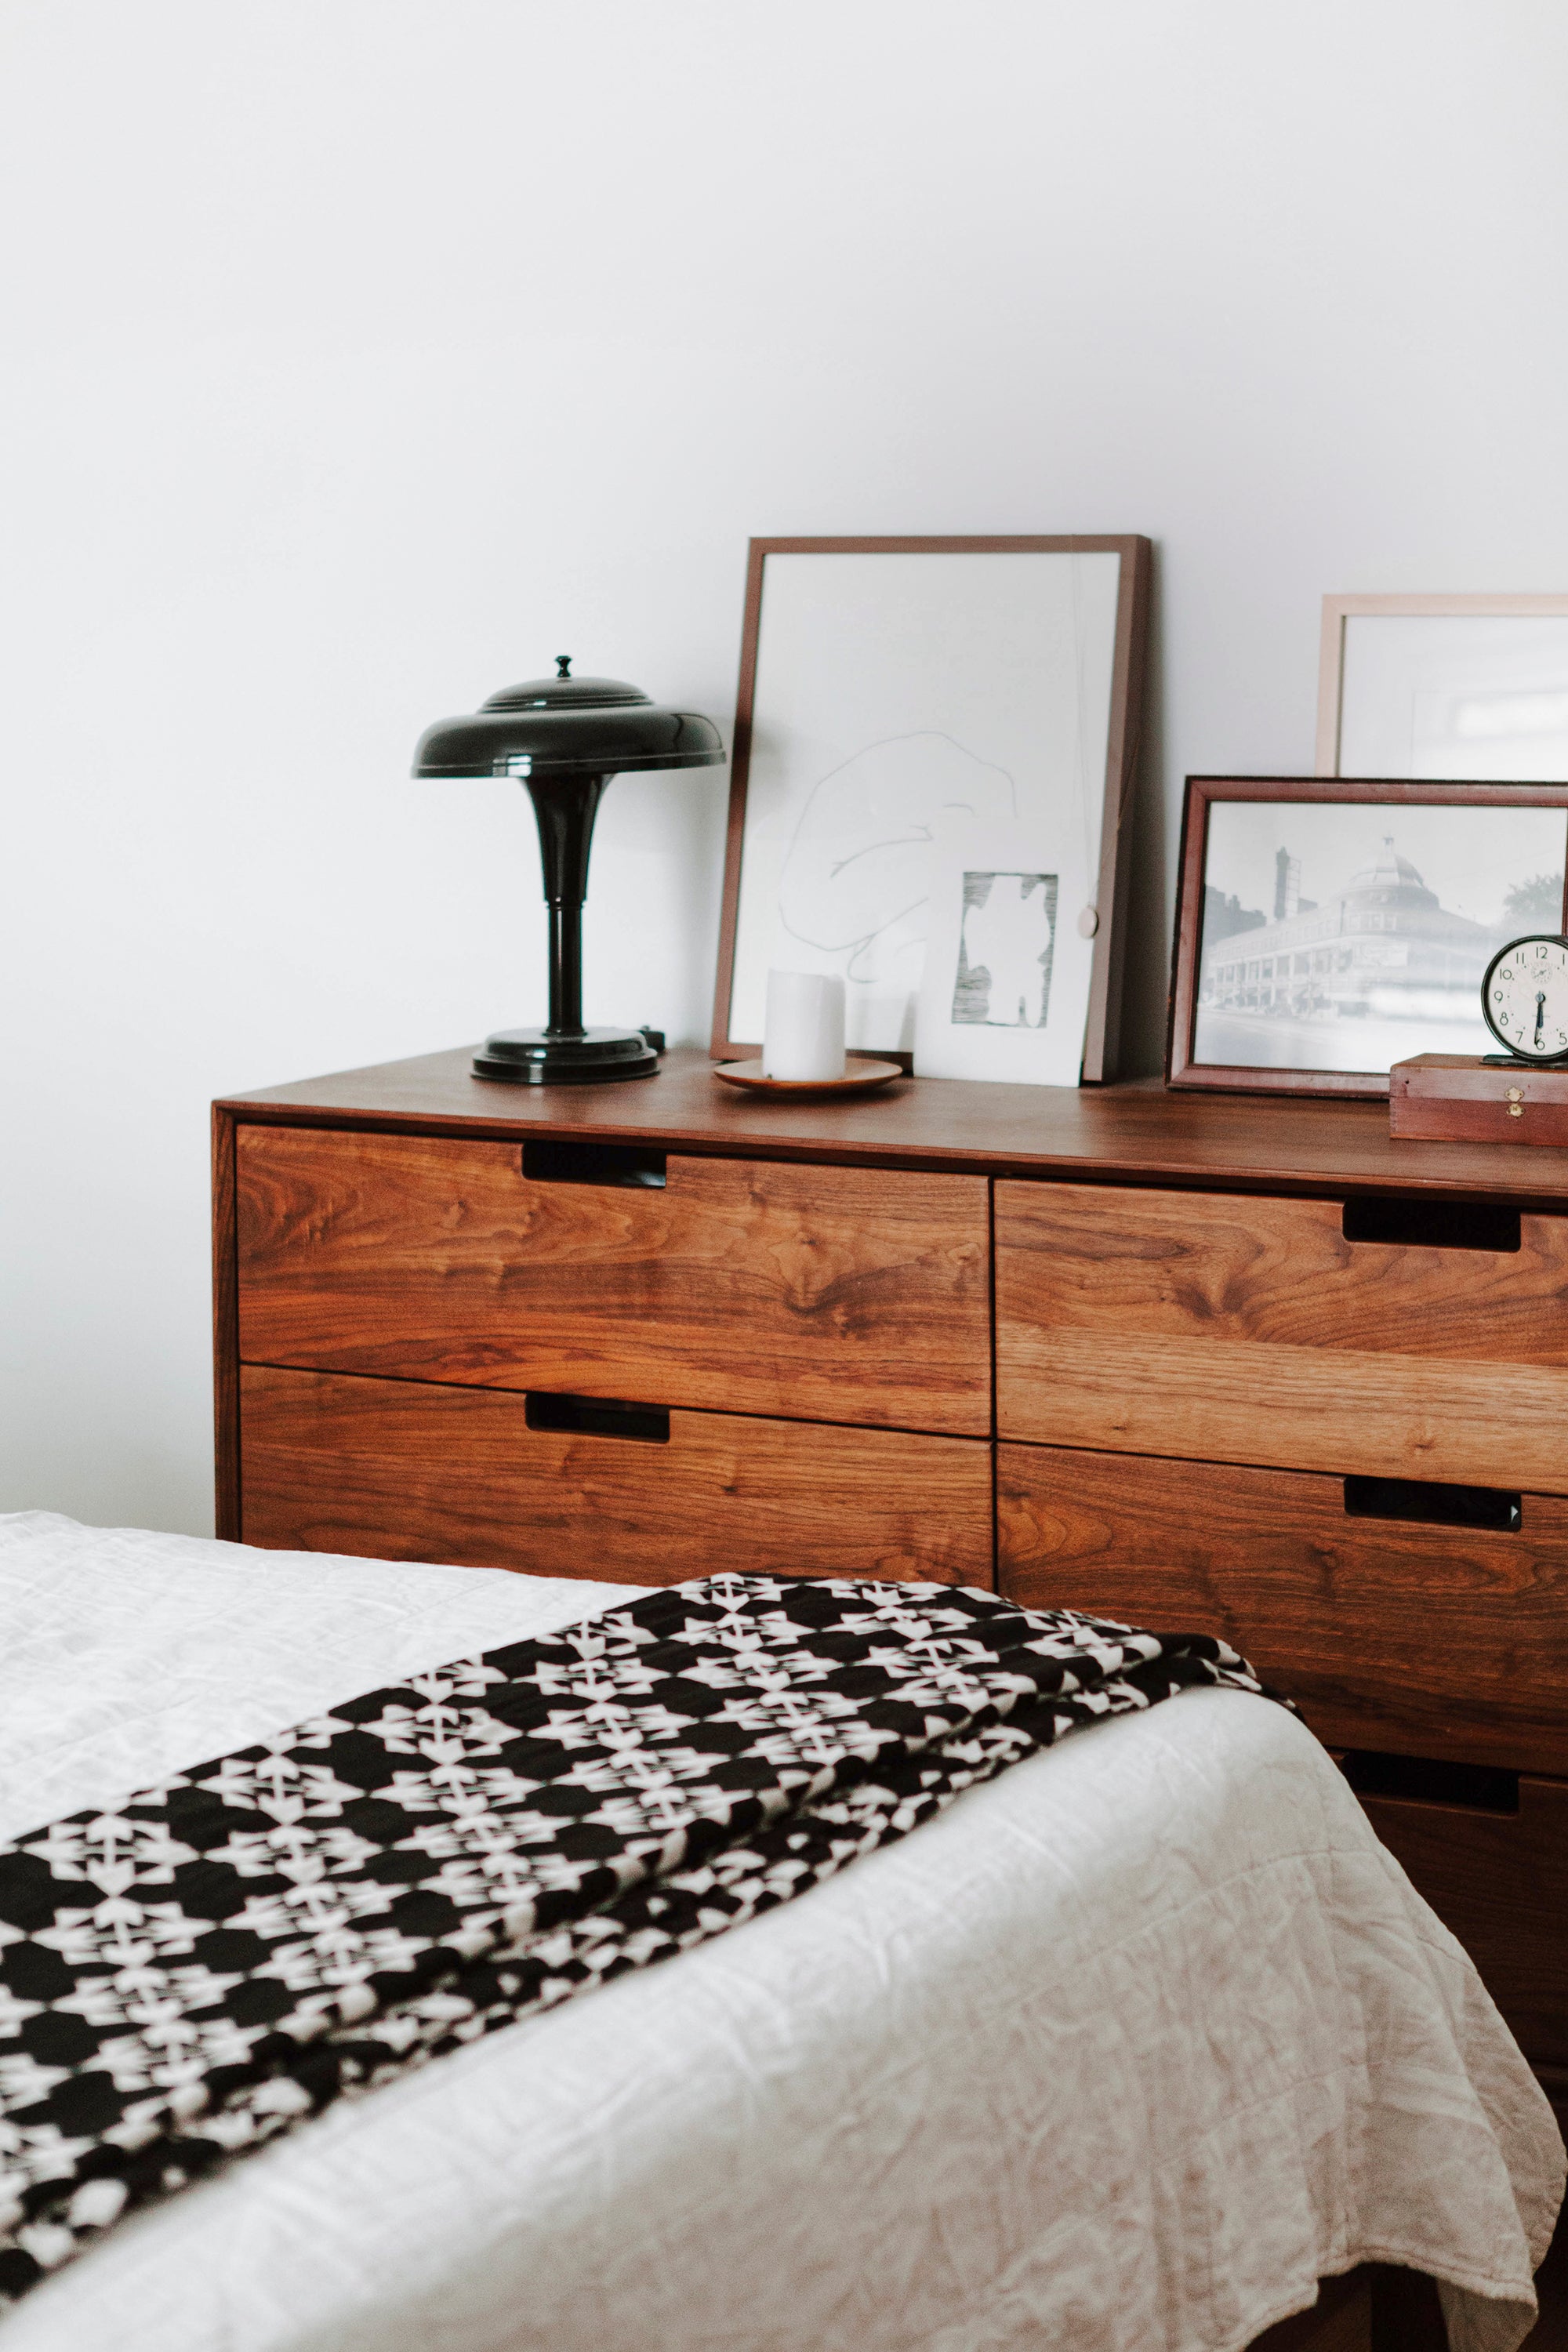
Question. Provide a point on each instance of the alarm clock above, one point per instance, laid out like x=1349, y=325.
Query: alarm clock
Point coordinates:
x=1524, y=998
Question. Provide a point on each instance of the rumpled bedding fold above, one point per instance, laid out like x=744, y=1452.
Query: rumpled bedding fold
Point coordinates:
x=1122, y=2053
x=197, y=1970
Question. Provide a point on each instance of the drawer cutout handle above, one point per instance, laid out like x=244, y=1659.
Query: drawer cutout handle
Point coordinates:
x=1432, y=1504
x=546, y=1160
x=1431, y=1225
x=1426, y=1781
x=581, y=1416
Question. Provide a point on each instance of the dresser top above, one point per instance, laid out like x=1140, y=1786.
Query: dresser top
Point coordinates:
x=1137, y=1133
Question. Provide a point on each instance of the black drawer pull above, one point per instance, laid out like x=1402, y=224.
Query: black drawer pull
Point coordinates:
x=546, y=1161
x=1431, y=1225
x=581, y=1416
x=1486, y=1788
x=1434, y=1505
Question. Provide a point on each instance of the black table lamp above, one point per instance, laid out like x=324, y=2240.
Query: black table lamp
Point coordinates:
x=564, y=738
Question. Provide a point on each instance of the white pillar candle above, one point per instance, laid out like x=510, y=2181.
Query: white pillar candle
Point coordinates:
x=804, y=1036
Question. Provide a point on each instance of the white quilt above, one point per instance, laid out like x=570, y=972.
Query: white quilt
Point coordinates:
x=1120, y=2055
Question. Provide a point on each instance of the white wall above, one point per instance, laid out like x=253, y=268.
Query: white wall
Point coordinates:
x=361, y=354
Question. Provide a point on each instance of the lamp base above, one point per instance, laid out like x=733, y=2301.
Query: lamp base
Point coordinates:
x=534, y=1057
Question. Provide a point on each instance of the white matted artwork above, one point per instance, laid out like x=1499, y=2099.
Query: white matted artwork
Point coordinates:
x=1470, y=689
x=919, y=719
x=1002, y=990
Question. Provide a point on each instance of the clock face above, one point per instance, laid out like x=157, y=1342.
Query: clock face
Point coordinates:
x=1524, y=997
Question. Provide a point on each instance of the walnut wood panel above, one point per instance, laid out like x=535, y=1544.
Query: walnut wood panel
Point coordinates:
x=1133, y=1134
x=225, y=1346
x=402, y=1470
x=1459, y=1098
x=1501, y=1881
x=1423, y=1640
x=823, y=1294
x=1243, y=1329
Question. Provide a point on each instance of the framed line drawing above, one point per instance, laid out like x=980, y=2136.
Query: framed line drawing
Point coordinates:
x=935, y=745
x=1326, y=929
x=1469, y=687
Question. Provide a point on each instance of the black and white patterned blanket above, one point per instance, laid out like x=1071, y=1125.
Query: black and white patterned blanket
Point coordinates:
x=187, y=1975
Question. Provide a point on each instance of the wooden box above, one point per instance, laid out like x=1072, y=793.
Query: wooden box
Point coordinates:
x=1459, y=1099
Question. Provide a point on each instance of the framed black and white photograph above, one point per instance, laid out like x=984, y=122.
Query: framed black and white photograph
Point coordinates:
x=934, y=750
x=1328, y=929
x=1466, y=688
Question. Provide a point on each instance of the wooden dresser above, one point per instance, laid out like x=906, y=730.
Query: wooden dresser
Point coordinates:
x=1244, y=1365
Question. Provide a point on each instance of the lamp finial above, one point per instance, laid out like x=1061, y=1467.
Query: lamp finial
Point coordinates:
x=562, y=665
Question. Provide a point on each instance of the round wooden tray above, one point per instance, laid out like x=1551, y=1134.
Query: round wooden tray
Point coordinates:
x=859, y=1078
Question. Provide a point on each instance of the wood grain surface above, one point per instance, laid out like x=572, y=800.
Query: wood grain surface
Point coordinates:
x=1132, y=1134
x=226, y=1333
x=1501, y=1881
x=1460, y=1098
x=823, y=1294
x=402, y=1470
x=1416, y=1639
x=1240, y=1329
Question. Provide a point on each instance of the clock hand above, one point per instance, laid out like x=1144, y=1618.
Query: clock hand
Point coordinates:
x=1540, y=1014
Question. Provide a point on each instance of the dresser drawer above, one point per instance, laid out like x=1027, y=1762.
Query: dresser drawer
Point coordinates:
x=405, y=1470
x=1390, y=1633
x=1499, y=1881
x=830, y=1294
x=1232, y=1328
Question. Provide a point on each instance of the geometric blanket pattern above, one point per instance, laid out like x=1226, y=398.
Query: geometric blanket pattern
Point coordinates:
x=187, y=1974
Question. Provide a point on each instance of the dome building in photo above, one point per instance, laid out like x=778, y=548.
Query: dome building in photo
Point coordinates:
x=1382, y=945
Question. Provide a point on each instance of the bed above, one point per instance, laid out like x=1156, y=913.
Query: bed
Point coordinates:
x=1129, y=2048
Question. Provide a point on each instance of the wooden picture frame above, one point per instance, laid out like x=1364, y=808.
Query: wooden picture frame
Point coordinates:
x=1341, y=611
x=1185, y=1067
x=1127, y=672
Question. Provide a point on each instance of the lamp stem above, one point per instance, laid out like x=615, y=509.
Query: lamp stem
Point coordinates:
x=564, y=808
x=565, y=970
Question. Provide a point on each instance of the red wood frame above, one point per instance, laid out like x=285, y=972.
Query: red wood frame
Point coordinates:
x=1181, y=1067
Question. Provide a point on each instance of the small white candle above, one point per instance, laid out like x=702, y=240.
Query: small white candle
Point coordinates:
x=804, y=1036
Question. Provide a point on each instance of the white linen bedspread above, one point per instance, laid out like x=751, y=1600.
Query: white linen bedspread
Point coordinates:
x=1121, y=2054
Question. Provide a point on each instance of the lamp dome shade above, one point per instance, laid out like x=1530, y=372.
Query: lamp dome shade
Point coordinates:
x=568, y=726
